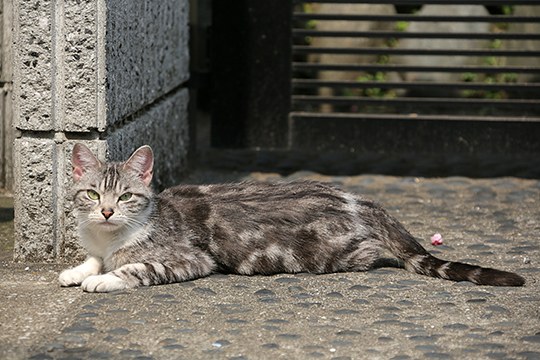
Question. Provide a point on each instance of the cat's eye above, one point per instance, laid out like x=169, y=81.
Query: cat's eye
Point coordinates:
x=92, y=195
x=125, y=197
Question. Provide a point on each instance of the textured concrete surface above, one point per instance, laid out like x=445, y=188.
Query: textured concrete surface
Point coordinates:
x=35, y=203
x=81, y=79
x=56, y=57
x=147, y=53
x=382, y=314
x=33, y=65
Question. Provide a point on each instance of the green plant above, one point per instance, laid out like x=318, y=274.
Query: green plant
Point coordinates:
x=402, y=25
x=375, y=91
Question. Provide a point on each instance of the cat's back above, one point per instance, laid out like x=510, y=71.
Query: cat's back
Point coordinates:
x=285, y=202
x=255, y=192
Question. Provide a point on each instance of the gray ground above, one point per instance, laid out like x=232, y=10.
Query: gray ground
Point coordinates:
x=383, y=314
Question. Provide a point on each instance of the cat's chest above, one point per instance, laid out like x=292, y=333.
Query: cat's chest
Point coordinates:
x=105, y=244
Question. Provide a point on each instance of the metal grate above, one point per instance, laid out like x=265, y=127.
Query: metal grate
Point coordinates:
x=416, y=60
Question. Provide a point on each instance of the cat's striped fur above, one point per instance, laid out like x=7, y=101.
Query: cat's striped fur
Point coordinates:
x=137, y=238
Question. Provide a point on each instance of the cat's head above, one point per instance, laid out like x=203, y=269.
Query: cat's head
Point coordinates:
x=112, y=196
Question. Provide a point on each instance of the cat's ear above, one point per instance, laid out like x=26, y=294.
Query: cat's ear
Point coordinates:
x=142, y=163
x=82, y=160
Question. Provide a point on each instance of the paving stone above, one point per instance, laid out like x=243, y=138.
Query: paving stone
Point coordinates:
x=289, y=336
x=346, y=312
x=287, y=280
x=532, y=338
x=119, y=331
x=360, y=287
x=204, y=291
x=99, y=355
x=335, y=294
x=348, y=333
x=530, y=355
x=437, y=355
x=360, y=301
x=308, y=304
x=131, y=353
x=265, y=292
x=456, y=326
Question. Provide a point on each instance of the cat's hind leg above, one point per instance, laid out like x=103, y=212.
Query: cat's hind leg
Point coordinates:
x=76, y=275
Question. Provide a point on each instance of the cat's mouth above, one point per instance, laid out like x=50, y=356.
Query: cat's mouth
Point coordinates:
x=109, y=224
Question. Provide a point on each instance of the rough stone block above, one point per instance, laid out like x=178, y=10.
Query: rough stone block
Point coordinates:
x=146, y=53
x=164, y=127
x=82, y=74
x=33, y=65
x=36, y=200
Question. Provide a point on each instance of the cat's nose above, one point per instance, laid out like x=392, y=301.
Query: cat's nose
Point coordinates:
x=107, y=213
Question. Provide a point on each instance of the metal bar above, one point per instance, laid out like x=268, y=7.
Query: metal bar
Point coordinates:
x=404, y=68
x=416, y=18
x=415, y=35
x=413, y=116
x=418, y=2
x=310, y=99
x=311, y=83
x=302, y=49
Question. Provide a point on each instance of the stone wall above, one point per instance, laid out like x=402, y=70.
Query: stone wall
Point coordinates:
x=109, y=73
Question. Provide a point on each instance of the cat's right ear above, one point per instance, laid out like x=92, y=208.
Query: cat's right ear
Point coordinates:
x=141, y=162
x=82, y=160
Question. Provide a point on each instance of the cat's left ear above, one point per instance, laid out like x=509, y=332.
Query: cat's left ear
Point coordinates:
x=142, y=163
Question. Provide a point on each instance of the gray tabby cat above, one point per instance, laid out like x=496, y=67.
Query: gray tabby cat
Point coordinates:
x=136, y=238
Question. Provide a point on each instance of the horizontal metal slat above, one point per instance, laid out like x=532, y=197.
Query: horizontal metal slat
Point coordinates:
x=302, y=49
x=351, y=100
x=416, y=18
x=416, y=35
x=382, y=117
x=312, y=83
x=406, y=68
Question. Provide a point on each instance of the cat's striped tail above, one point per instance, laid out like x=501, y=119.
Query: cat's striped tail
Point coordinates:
x=419, y=260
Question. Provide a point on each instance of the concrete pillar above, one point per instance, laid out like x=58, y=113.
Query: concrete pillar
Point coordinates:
x=109, y=73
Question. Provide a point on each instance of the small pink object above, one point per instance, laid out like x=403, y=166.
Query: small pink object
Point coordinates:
x=436, y=239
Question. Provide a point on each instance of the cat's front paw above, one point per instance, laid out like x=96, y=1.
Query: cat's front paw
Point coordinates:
x=103, y=283
x=71, y=277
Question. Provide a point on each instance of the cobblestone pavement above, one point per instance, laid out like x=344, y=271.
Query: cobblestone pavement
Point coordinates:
x=382, y=314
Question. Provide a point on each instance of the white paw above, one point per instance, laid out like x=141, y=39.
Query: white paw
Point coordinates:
x=103, y=283
x=71, y=277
